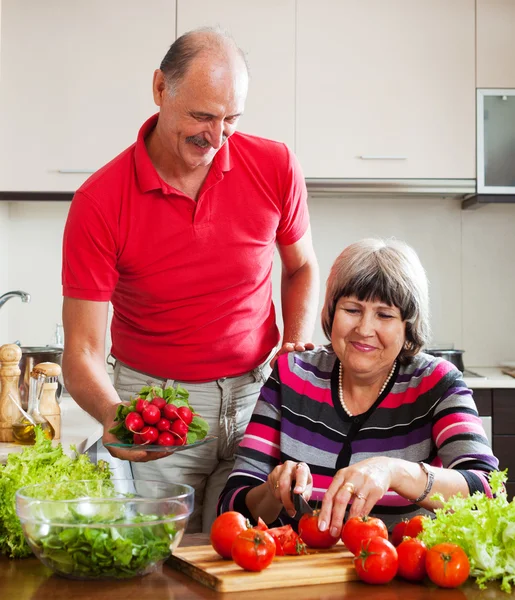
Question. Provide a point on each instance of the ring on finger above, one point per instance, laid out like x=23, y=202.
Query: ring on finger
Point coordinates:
x=276, y=486
x=300, y=464
x=350, y=487
x=360, y=496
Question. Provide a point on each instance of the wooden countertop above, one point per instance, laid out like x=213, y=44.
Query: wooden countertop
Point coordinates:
x=28, y=579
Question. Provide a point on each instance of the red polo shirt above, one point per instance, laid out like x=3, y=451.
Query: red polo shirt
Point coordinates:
x=190, y=282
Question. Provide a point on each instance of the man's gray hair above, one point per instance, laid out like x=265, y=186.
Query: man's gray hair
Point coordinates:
x=387, y=271
x=190, y=45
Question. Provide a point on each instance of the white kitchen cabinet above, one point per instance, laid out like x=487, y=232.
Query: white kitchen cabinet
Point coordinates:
x=386, y=89
x=75, y=86
x=265, y=31
x=495, y=43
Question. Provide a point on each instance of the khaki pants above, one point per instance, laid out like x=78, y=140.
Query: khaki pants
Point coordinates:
x=227, y=405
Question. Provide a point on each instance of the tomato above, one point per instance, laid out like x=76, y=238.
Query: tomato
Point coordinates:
x=358, y=529
x=398, y=533
x=253, y=549
x=224, y=531
x=287, y=541
x=414, y=526
x=309, y=532
x=412, y=559
x=447, y=565
x=377, y=561
x=261, y=525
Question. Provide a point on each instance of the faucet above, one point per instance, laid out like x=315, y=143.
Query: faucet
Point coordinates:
x=23, y=295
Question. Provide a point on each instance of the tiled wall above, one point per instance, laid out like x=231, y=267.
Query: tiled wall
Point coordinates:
x=469, y=257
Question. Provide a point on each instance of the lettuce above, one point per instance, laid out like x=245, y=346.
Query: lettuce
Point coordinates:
x=484, y=527
x=37, y=464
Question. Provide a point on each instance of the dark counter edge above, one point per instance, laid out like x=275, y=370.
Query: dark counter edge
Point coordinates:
x=36, y=196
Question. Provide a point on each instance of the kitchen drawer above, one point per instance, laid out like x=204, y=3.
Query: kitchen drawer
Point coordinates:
x=483, y=400
x=504, y=413
x=503, y=448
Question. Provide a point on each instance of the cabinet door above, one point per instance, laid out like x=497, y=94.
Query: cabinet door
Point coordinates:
x=265, y=31
x=76, y=85
x=386, y=89
x=495, y=43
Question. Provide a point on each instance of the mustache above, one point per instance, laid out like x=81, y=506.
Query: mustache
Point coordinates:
x=200, y=141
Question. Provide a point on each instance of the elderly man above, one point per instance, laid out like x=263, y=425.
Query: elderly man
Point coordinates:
x=178, y=232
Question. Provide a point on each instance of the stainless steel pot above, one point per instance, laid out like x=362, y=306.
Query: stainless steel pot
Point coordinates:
x=453, y=356
x=32, y=356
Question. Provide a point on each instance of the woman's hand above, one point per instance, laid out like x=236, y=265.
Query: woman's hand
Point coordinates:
x=280, y=480
x=364, y=482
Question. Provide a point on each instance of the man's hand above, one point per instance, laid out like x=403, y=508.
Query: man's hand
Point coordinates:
x=292, y=347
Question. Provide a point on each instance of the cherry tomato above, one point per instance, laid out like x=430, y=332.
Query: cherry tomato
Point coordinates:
x=414, y=526
x=225, y=530
x=412, y=559
x=311, y=535
x=398, y=533
x=377, y=561
x=447, y=565
x=253, y=549
x=358, y=529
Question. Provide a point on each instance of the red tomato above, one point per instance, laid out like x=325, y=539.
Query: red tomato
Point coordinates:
x=253, y=549
x=358, y=529
x=377, y=561
x=309, y=532
x=225, y=530
x=412, y=559
x=398, y=532
x=287, y=541
x=261, y=525
x=414, y=526
x=447, y=565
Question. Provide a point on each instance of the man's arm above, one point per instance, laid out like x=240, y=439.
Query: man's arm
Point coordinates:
x=299, y=293
x=84, y=372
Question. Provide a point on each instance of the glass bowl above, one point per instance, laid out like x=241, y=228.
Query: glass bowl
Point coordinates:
x=104, y=529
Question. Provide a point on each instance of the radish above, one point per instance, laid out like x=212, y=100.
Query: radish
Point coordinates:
x=185, y=414
x=134, y=422
x=137, y=439
x=149, y=435
x=179, y=440
x=170, y=412
x=179, y=428
x=159, y=402
x=163, y=425
x=166, y=439
x=151, y=414
x=141, y=404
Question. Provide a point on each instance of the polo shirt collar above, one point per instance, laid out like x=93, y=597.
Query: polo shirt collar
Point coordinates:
x=147, y=175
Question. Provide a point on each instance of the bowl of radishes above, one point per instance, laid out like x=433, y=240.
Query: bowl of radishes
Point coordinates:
x=159, y=420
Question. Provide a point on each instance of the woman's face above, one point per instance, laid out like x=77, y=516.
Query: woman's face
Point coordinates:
x=367, y=336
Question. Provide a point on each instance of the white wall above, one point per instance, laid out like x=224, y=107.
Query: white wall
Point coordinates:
x=468, y=256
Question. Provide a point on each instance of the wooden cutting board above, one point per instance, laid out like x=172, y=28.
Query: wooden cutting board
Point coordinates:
x=204, y=565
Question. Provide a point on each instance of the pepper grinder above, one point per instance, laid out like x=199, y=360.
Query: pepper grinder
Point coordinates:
x=10, y=356
x=48, y=406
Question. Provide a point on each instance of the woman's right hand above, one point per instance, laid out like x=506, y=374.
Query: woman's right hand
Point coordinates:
x=280, y=481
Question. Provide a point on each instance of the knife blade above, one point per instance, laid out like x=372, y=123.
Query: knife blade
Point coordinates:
x=301, y=505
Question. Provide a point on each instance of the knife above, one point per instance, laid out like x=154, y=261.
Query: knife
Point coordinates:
x=301, y=505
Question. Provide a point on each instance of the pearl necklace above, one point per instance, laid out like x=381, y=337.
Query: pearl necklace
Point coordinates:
x=340, y=387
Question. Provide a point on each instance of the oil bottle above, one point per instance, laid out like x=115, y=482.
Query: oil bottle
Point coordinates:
x=24, y=426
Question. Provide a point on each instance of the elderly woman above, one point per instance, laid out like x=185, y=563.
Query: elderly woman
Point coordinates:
x=368, y=422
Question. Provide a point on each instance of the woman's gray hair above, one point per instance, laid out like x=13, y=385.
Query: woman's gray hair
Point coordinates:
x=387, y=271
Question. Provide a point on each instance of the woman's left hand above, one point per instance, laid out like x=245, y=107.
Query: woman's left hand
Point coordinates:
x=364, y=483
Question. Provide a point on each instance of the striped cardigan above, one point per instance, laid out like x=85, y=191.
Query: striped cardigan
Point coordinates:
x=426, y=413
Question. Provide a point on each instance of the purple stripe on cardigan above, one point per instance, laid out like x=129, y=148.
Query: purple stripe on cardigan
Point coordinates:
x=305, y=366
x=270, y=396
x=304, y=436
x=371, y=445
x=487, y=458
x=409, y=376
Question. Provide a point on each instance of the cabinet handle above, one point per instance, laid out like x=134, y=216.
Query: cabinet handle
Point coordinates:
x=378, y=157
x=75, y=171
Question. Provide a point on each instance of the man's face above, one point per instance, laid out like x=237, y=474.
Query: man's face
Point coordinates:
x=197, y=118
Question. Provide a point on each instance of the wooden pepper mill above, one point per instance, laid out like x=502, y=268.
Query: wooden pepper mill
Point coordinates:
x=48, y=406
x=10, y=356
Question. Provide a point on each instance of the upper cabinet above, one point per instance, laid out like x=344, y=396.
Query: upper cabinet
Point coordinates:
x=265, y=31
x=495, y=43
x=75, y=85
x=386, y=89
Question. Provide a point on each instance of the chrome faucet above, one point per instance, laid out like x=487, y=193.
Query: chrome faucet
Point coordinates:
x=23, y=295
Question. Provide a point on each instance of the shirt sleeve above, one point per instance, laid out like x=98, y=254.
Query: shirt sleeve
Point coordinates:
x=295, y=216
x=461, y=440
x=89, y=252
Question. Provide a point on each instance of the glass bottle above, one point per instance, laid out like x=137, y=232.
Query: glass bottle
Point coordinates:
x=24, y=426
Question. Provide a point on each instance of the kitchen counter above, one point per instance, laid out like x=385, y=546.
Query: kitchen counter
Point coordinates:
x=28, y=579
x=77, y=428
x=491, y=377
